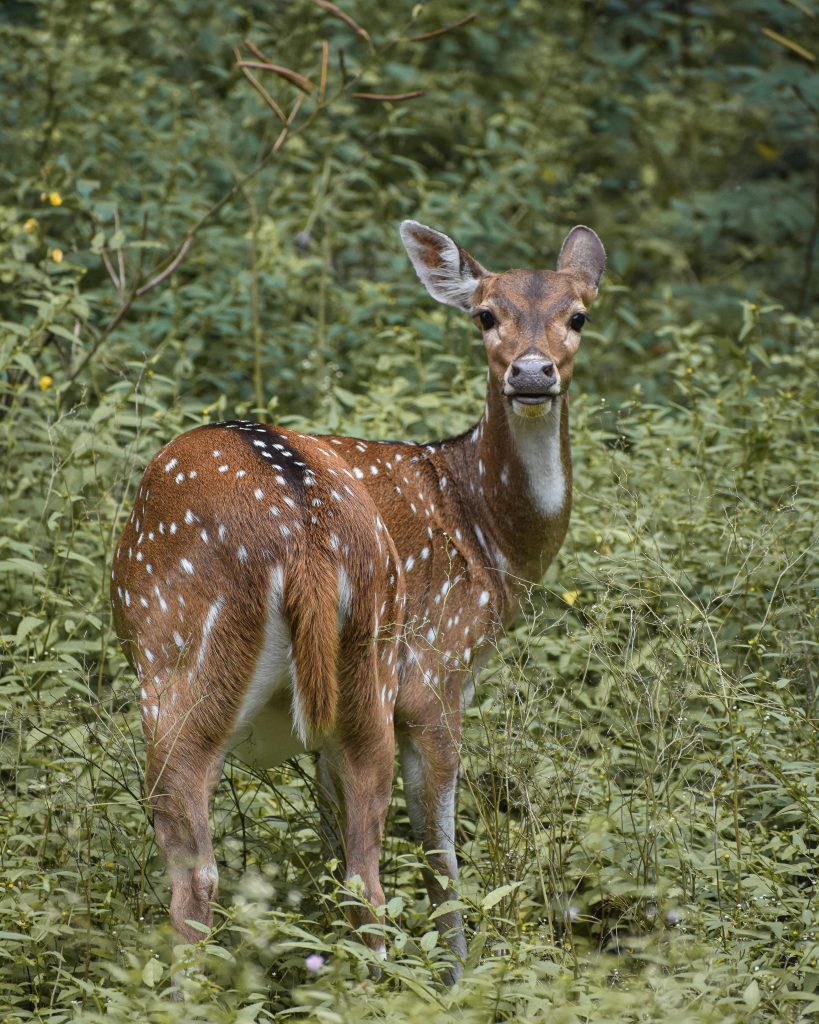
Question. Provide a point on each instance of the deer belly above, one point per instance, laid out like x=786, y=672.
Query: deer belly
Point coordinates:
x=269, y=737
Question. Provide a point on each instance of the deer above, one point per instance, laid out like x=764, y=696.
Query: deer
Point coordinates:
x=278, y=592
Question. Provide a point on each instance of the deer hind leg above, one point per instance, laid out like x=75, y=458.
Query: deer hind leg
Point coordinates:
x=362, y=759
x=180, y=778
x=429, y=761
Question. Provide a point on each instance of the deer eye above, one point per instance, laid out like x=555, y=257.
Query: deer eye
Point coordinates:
x=487, y=320
x=577, y=321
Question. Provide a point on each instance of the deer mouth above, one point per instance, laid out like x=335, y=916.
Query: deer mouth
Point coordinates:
x=527, y=398
x=531, y=406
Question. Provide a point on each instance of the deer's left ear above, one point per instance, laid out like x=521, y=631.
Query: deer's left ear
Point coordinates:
x=582, y=253
x=446, y=270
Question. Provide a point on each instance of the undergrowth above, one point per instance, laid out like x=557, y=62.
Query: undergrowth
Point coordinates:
x=637, y=820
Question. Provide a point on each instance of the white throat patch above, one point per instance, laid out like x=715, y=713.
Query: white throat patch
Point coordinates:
x=538, y=446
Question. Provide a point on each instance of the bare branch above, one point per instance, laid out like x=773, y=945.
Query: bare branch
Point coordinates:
x=443, y=30
x=325, y=57
x=260, y=89
x=254, y=49
x=292, y=76
x=182, y=252
x=379, y=97
x=120, y=258
x=111, y=272
x=790, y=44
x=337, y=12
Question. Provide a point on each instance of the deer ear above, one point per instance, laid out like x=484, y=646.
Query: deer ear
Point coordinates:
x=446, y=270
x=582, y=253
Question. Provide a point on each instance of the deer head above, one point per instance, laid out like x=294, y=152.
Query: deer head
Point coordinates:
x=531, y=319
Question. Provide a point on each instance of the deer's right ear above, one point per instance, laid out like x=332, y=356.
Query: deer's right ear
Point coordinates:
x=446, y=270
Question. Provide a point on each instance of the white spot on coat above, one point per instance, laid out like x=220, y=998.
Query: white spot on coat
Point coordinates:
x=207, y=629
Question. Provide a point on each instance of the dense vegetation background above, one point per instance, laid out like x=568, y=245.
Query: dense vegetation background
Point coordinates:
x=638, y=820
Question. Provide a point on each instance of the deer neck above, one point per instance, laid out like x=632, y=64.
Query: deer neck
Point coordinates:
x=516, y=480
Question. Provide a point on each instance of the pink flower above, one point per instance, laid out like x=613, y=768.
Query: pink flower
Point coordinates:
x=314, y=962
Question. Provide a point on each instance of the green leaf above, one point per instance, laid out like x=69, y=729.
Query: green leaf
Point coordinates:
x=198, y=926
x=214, y=950
x=20, y=565
x=25, y=360
x=395, y=906
x=752, y=995
x=249, y=1013
x=447, y=907
x=152, y=972
x=345, y=397
x=494, y=897
x=26, y=625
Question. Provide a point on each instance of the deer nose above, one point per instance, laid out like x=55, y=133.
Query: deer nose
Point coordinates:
x=532, y=375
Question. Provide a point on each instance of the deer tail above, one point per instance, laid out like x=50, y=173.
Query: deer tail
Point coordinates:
x=311, y=607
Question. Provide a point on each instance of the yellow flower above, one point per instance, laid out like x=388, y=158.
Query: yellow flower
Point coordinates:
x=30, y=225
x=57, y=255
x=766, y=151
x=570, y=596
x=46, y=382
x=55, y=198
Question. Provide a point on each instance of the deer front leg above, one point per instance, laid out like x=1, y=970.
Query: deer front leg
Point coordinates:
x=429, y=759
x=364, y=775
x=331, y=811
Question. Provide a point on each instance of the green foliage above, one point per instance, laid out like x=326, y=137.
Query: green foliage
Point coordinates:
x=638, y=819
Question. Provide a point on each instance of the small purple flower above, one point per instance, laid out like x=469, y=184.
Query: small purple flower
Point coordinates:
x=314, y=962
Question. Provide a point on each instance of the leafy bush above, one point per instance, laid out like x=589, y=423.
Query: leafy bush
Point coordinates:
x=637, y=817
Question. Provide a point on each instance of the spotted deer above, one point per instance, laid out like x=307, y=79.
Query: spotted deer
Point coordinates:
x=279, y=592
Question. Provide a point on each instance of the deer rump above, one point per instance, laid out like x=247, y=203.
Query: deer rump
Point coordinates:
x=238, y=606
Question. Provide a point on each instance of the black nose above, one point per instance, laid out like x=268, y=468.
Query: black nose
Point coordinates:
x=532, y=375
